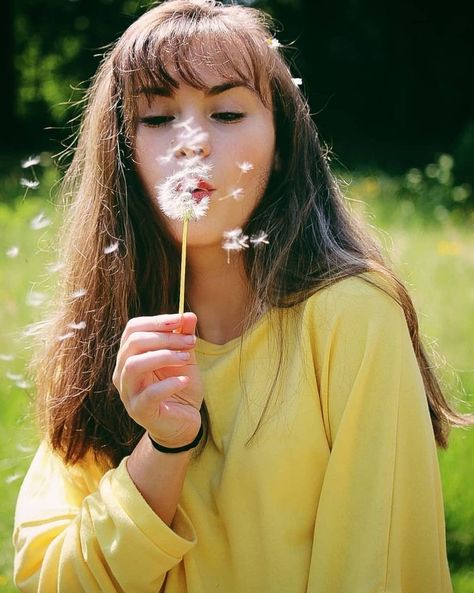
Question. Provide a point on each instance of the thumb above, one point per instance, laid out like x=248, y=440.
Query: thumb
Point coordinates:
x=189, y=322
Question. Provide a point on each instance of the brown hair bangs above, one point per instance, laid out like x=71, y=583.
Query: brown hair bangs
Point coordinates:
x=174, y=49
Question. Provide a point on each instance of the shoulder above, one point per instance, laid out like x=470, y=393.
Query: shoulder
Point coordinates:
x=368, y=295
x=355, y=304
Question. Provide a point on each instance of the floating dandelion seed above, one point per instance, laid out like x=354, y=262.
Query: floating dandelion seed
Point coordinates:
x=40, y=222
x=55, y=267
x=80, y=325
x=35, y=299
x=13, y=478
x=260, y=238
x=111, y=248
x=184, y=124
x=24, y=448
x=31, y=161
x=13, y=251
x=14, y=376
x=29, y=183
x=297, y=81
x=23, y=384
x=245, y=167
x=273, y=43
x=65, y=336
x=234, y=240
x=77, y=294
x=7, y=357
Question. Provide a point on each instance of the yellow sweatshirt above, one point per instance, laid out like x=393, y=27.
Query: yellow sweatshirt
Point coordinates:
x=339, y=493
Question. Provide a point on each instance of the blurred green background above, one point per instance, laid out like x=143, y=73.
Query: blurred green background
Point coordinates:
x=389, y=89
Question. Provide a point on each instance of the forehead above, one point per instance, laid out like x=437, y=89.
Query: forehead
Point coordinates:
x=203, y=62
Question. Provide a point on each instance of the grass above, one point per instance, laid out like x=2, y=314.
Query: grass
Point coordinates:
x=434, y=256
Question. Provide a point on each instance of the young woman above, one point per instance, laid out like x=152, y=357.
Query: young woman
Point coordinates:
x=280, y=435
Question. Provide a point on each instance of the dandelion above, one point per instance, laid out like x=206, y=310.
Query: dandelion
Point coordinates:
x=77, y=294
x=80, y=325
x=35, y=299
x=40, y=222
x=260, y=238
x=297, y=81
x=245, y=167
x=175, y=194
x=234, y=240
x=111, y=248
x=31, y=161
x=29, y=183
x=273, y=43
x=13, y=251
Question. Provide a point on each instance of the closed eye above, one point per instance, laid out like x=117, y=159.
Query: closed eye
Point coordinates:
x=155, y=120
x=228, y=116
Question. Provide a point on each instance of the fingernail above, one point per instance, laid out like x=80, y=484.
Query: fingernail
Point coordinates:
x=183, y=355
x=189, y=339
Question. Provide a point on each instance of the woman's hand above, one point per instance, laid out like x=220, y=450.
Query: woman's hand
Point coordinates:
x=158, y=379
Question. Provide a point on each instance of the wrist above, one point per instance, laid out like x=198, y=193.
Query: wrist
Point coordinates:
x=164, y=449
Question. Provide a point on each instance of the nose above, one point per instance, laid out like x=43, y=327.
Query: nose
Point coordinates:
x=191, y=145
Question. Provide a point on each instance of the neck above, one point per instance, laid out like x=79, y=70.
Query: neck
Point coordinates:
x=217, y=292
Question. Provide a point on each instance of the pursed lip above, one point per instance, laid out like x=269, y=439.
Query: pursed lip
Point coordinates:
x=204, y=185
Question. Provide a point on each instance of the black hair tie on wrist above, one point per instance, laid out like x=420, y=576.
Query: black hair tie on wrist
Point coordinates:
x=159, y=447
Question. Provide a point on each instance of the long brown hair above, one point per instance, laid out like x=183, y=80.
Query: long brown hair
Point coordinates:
x=315, y=240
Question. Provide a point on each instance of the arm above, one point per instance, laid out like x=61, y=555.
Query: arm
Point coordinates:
x=78, y=530
x=72, y=534
x=380, y=522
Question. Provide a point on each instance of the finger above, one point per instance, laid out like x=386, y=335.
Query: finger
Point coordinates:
x=157, y=323
x=135, y=367
x=141, y=342
x=146, y=404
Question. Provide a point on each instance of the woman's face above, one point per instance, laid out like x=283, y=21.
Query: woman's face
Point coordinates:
x=227, y=126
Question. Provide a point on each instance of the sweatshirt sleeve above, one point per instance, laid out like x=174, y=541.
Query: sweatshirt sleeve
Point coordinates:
x=380, y=520
x=76, y=531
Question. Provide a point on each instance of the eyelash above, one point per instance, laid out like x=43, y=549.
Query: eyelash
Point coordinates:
x=159, y=120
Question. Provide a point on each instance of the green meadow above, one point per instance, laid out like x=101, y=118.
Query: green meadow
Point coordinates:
x=432, y=249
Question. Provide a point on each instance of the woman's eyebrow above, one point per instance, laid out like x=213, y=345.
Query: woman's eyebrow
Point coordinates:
x=210, y=92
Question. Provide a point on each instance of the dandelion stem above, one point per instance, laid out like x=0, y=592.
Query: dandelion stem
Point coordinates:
x=183, y=265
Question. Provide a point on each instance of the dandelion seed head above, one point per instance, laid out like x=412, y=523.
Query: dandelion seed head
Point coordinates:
x=31, y=161
x=175, y=195
x=40, y=222
x=111, y=248
x=13, y=251
x=29, y=183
